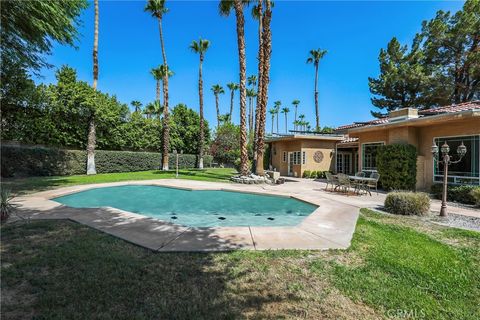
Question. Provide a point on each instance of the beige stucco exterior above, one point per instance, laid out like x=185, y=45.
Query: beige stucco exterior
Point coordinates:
x=421, y=133
x=308, y=145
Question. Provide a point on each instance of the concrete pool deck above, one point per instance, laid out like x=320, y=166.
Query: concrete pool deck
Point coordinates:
x=330, y=226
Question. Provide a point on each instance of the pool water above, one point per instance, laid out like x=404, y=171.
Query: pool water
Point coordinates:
x=195, y=208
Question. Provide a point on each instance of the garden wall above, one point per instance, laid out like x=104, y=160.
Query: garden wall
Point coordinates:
x=24, y=161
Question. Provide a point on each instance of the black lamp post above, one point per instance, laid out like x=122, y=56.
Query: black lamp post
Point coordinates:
x=446, y=161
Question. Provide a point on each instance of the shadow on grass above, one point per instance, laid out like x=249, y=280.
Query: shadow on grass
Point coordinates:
x=70, y=270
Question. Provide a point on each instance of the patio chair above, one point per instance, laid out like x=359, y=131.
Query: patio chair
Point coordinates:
x=373, y=183
x=344, y=182
x=331, y=180
x=359, y=184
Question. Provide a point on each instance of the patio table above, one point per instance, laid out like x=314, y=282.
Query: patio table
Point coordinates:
x=363, y=180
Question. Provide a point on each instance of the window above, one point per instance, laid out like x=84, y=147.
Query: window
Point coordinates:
x=369, y=155
x=304, y=158
x=467, y=170
x=284, y=156
x=296, y=157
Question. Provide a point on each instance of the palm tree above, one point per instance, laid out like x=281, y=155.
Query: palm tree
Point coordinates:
x=295, y=105
x=277, y=105
x=137, y=105
x=158, y=76
x=233, y=87
x=92, y=134
x=224, y=118
x=315, y=57
x=300, y=121
x=265, y=51
x=157, y=9
x=200, y=47
x=217, y=89
x=257, y=14
x=250, y=94
x=272, y=112
x=154, y=108
x=285, y=111
x=252, y=80
x=225, y=8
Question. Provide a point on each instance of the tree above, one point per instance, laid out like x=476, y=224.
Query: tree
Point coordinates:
x=185, y=129
x=154, y=108
x=295, y=105
x=233, y=87
x=91, y=126
x=137, y=105
x=272, y=112
x=29, y=29
x=217, y=90
x=158, y=76
x=257, y=14
x=225, y=147
x=401, y=79
x=314, y=58
x=301, y=122
x=251, y=94
x=225, y=8
x=157, y=9
x=285, y=111
x=278, y=105
x=265, y=51
x=442, y=66
x=200, y=47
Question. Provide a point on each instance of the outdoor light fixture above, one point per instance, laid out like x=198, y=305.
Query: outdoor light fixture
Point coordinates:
x=446, y=161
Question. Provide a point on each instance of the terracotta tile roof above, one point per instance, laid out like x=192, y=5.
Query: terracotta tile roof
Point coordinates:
x=472, y=105
x=362, y=124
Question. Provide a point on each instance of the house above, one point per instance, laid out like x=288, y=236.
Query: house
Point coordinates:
x=353, y=147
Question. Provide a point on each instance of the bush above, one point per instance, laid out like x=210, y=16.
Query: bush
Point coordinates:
x=397, y=166
x=306, y=174
x=321, y=175
x=461, y=194
x=313, y=174
x=407, y=203
x=475, y=193
x=18, y=161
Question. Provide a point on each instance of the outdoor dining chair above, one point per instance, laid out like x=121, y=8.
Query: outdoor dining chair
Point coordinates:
x=373, y=182
x=344, y=182
x=331, y=180
x=359, y=184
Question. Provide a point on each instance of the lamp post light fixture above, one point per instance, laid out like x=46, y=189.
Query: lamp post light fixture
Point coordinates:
x=446, y=160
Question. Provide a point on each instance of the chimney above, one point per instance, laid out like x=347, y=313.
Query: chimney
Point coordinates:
x=402, y=114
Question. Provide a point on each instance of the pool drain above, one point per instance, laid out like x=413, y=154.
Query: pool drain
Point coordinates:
x=174, y=217
x=222, y=218
x=270, y=218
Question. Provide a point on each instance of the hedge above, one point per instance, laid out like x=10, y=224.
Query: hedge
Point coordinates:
x=397, y=166
x=21, y=161
x=461, y=194
x=407, y=203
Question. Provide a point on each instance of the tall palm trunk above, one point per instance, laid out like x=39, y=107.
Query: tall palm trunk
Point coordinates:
x=166, y=126
x=317, y=117
x=286, y=123
x=92, y=135
x=273, y=121
x=250, y=115
x=278, y=116
x=218, y=110
x=295, y=123
x=265, y=79
x=258, y=109
x=158, y=91
x=200, y=97
x=238, y=4
x=232, y=92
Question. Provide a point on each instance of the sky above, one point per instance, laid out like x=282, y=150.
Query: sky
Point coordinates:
x=352, y=32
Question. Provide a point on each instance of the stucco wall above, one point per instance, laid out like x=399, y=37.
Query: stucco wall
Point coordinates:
x=327, y=147
x=421, y=137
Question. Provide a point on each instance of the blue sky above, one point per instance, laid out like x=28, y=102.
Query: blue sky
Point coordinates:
x=352, y=32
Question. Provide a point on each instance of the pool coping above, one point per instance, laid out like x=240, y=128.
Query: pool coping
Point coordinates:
x=330, y=226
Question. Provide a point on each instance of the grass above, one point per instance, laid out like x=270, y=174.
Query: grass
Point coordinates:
x=35, y=184
x=396, y=266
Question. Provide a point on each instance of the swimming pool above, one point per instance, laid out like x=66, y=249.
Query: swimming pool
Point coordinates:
x=195, y=208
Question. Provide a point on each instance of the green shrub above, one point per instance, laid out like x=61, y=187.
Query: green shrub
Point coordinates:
x=407, y=203
x=306, y=174
x=397, y=166
x=475, y=193
x=461, y=194
x=313, y=174
x=321, y=174
x=18, y=161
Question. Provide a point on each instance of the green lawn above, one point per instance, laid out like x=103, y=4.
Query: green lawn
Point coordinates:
x=43, y=183
x=395, y=266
